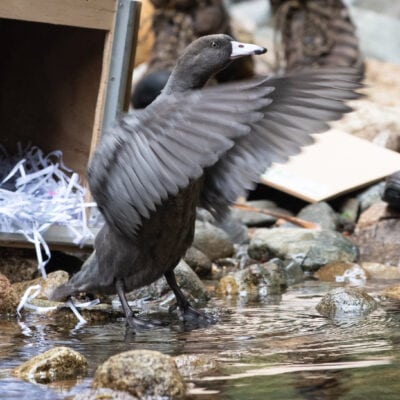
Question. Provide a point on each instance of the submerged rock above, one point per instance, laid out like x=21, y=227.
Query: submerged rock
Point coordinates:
x=8, y=297
x=142, y=373
x=322, y=214
x=346, y=302
x=59, y=363
x=198, y=261
x=392, y=292
x=190, y=365
x=212, y=241
x=104, y=394
x=311, y=248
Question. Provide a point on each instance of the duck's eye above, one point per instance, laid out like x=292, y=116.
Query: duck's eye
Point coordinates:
x=214, y=44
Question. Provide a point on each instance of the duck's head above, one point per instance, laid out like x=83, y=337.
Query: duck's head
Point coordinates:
x=204, y=57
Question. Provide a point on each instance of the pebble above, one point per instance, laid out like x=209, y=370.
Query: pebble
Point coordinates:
x=198, y=261
x=380, y=271
x=8, y=297
x=322, y=214
x=190, y=365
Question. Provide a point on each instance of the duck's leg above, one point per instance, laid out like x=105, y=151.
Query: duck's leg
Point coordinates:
x=131, y=319
x=186, y=312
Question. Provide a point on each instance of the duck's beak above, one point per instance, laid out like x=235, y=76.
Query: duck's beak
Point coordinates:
x=245, y=49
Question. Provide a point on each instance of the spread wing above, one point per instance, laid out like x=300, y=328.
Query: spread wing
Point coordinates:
x=231, y=132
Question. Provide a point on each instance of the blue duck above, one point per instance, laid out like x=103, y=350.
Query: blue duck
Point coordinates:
x=194, y=146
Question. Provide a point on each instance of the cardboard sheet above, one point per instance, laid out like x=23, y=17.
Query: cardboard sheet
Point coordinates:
x=337, y=163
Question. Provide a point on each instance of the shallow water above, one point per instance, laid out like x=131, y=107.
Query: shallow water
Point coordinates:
x=271, y=348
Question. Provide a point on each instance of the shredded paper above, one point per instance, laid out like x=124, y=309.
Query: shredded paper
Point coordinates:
x=36, y=192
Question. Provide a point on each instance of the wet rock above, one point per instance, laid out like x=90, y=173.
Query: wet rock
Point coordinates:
x=341, y=272
x=212, y=241
x=104, y=394
x=59, y=363
x=8, y=297
x=294, y=272
x=253, y=218
x=18, y=264
x=320, y=213
x=141, y=373
x=187, y=279
x=311, y=248
x=198, y=261
x=257, y=279
x=371, y=195
x=374, y=234
x=392, y=292
x=346, y=302
x=53, y=280
x=381, y=271
x=190, y=365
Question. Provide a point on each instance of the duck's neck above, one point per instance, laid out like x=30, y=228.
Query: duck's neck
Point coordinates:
x=186, y=76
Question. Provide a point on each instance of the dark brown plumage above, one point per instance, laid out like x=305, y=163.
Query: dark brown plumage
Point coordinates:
x=195, y=147
x=315, y=33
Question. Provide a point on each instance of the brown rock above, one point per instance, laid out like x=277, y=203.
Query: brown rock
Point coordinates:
x=381, y=271
x=392, y=292
x=227, y=286
x=190, y=365
x=8, y=297
x=142, y=373
x=59, y=363
x=374, y=214
x=329, y=272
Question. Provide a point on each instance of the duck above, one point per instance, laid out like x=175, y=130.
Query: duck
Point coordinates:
x=194, y=145
x=314, y=33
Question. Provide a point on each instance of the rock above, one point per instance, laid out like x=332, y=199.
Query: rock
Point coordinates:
x=381, y=271
x=374, y=235
x=103, y=394
x=257, y=279
x=392, y=292
x=371, y=195
x=59, y=363
x=234, y=228
x=320, y=213
x=294, y=272
x=141, y=373
x=311, y=248
x=189, y=282
x=341, y=272
x=53, y=280
x=350, y=208
x=212, y=241
x=253, y=218
x=346, y=302
x=198, y=261
x=8, y=297
x=190, y=365
x=18, y=264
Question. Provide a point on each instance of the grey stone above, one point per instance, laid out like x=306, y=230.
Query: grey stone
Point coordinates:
x=294, y=272
x=322, y=214
x=349, y=209
x=198, y=261
x=212, y=241
x=371, y=195
x=187, y=279
x=59, y=363
x=311, y=248
x=141, y=373
x=346, y=302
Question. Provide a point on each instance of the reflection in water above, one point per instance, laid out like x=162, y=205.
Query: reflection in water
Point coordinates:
x=275, y=348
